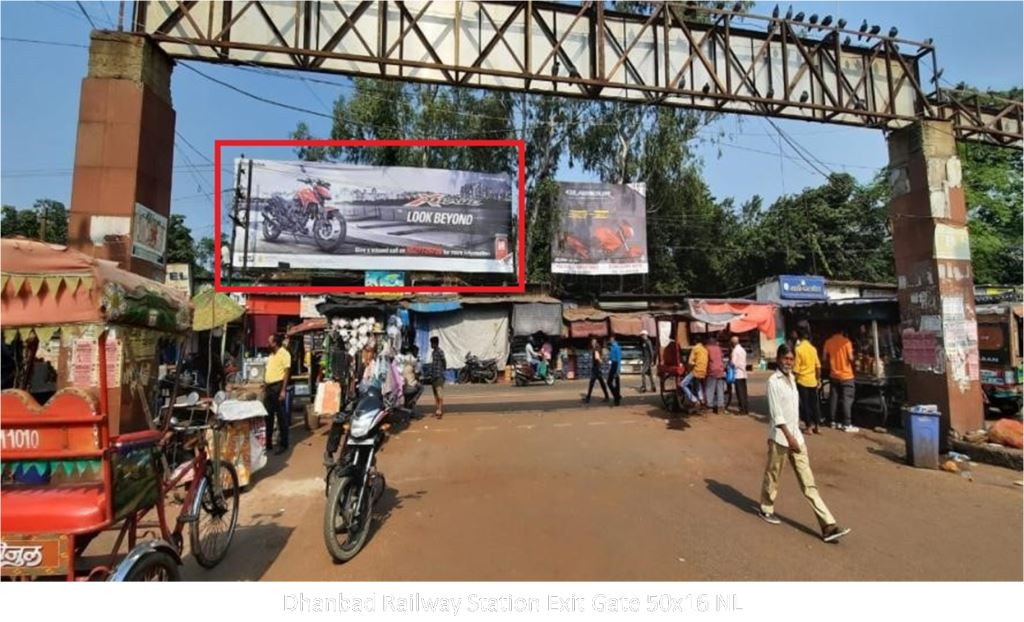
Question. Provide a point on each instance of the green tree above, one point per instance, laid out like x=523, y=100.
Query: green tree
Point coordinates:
x=993, y=189
x=53, y=220
x=46, y=220
x=181, y=248
x=839, y=230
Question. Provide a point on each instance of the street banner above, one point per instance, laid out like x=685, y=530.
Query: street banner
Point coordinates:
x=149, y=234
x=602, y=229
x=329, y=216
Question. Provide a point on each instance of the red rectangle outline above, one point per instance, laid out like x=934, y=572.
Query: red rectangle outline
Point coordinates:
x=519, y=288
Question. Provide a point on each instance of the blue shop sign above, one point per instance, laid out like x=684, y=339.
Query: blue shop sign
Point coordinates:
x=802, y=287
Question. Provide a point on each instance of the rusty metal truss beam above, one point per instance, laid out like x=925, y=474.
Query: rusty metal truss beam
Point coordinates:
x=690, y=57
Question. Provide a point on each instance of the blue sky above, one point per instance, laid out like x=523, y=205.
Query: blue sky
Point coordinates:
x=978, y=42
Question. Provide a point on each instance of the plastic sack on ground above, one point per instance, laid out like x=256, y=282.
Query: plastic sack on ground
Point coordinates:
x=1007, y=432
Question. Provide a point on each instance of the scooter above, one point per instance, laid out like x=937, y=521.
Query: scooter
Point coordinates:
x=525, y=373
x=307, y=214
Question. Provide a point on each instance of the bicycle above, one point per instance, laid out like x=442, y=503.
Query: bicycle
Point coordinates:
x=213, y=491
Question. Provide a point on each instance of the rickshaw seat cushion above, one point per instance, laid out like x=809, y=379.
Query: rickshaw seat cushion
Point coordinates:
x=61, y=509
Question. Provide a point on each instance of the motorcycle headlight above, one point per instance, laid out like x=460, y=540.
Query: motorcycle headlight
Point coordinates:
x=361, y=425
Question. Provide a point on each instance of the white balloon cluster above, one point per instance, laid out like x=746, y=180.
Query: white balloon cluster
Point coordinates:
x=357, y=333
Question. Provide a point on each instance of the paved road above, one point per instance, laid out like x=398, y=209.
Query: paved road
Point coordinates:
x=528, y=484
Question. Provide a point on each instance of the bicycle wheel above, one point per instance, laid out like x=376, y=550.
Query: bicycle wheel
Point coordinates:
x=215, y=516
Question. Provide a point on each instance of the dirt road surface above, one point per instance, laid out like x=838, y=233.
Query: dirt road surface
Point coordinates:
x=529, y=484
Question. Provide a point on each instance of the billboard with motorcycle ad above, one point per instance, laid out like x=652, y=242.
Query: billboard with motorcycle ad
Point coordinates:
x=322, y=215
x=602, y=229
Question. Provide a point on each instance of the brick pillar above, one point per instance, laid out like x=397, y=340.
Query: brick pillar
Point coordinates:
x=936, y=281
x=125, y=153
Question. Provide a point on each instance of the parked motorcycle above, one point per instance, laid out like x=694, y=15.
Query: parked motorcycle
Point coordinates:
x=354, y=484
x=525, y=373
x=306, y=215
x=477, y=370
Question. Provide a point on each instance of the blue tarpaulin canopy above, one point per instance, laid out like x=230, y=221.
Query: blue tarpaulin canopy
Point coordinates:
x=441, y=306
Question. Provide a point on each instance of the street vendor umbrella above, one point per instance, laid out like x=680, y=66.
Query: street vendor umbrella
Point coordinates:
x=213, y=309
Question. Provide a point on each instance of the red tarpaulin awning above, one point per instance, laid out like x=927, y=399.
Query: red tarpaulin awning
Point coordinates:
x=741, y=316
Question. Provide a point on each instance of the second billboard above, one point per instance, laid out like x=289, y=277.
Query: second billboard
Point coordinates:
x=602, y=229
x=315, y=215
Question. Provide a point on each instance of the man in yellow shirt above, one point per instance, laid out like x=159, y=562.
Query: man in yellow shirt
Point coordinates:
x=275, y=381
x=839, y=358
x=807, y=370
x=698, y=363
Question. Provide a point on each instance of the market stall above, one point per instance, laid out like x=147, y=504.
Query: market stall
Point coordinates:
x=873, y=325
x=1000, y=334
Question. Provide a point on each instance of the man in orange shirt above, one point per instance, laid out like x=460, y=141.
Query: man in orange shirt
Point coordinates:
x=839, y=359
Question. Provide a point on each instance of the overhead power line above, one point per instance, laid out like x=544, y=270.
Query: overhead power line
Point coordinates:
x=86, y=14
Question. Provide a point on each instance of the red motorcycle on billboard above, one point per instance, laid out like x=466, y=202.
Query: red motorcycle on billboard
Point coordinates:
x=306, y=214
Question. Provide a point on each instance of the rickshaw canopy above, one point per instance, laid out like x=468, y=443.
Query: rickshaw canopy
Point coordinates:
x=51, y=285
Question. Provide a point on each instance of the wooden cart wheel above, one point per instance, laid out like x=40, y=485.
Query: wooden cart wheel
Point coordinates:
x=670, y=394
x=312, y=419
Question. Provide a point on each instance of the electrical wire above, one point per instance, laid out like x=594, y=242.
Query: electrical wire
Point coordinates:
x=86, y=14
x=41, y=42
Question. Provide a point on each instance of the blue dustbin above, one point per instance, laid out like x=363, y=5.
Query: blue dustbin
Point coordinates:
x=921, y=426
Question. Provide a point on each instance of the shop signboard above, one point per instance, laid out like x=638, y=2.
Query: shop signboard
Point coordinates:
x=179, y=276
x=802, y=287
x=329, y=216
x=602, y=229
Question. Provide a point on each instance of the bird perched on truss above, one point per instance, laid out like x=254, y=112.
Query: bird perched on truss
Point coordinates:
x=775, y=12
x=875, y=29
x=799, y=17
x=789, y=13
x=863, y=29
x=813, y=19
x=841, y=23
x=893, y=32
x=826, y=21
x=804, y=97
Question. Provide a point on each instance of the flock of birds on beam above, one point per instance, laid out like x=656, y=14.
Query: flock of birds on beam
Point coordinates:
x=808, y=23
x=866, y=32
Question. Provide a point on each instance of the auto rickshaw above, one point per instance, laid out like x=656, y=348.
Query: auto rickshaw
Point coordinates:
x=83, y=456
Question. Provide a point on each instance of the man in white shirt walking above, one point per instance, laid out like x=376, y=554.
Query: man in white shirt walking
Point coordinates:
x=785, y=440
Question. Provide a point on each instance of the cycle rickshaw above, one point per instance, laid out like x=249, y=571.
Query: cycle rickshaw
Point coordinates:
x=85, y=460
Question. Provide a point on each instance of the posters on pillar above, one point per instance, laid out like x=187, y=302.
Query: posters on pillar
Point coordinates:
x=602, y=229
x=330, y=216
x=149, y=234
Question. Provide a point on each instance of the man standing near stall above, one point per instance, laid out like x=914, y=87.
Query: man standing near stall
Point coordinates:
x=275, y=381
x=839, y=359
x=807, y=369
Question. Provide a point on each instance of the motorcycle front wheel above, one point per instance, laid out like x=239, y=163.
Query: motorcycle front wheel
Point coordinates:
x=549, y=378
x=490, y=375
x=271, y=228
x=463, y=375
x=329, y=232
x=345, y=534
